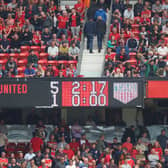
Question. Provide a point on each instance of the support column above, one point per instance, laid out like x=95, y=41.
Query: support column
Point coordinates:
x=64, y=114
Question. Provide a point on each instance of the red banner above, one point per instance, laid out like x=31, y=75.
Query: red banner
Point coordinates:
x=157, y=89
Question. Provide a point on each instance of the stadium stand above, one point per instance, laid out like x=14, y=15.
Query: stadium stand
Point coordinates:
x=137, y=45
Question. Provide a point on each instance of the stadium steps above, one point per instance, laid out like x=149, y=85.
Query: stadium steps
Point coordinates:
x=92, y=63
x=71, y=3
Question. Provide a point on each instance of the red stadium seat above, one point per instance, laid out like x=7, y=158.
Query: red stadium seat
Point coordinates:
x=4, y=55
x=63, y=62
x=11, y=147
x=35, y=48
x=36, y=53
x=23, y=55
x=73, y=62
x=21, y=70
x=19, y=76
x=42, y=62
x=43, y=48
x=132, y=55
x=3, y=62
x=43, y=55
x=22, y=62
x=52, y=62
x=15, y=55
x=135, y=27
x=25, y=48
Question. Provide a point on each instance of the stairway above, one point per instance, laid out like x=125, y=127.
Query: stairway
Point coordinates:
x=92, y=63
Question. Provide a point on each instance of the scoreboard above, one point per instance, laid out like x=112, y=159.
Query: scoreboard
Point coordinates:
x=71, y=92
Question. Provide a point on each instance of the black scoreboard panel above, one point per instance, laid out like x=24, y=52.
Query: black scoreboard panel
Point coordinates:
x=71, y=92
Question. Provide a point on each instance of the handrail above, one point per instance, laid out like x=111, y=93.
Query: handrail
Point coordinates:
x=82, y=44
x=107, y=33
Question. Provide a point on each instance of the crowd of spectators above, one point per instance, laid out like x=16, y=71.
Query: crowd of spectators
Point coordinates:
x=69, y=148
x=137, y=45
x=39, y=38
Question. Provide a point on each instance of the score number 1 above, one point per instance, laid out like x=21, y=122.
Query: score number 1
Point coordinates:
x=94, y=98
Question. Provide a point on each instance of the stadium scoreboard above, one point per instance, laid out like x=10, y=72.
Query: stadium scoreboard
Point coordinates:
x=71, y=92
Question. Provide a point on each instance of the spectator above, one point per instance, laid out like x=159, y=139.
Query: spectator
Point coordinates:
x=151, y=68
x=63, y=52
x=162, y=139
x=74, y=23
x=32, y=58
x=30, y=155
x=3, y=143
x=91, y=11
x=28, y=25
x=76, y=130
x=122, y=56
x=128, y=145
x=52, y=51
x=89, y=32
x=62, y=23
x=26, y=37
x=157, y=7
x=100, y=31
x=101, y=144
x=129, y=14
x=162, y=50
x=36, y=144
x=102, y=13
x=46, y=36
x=15, y=44
x=165, y=28
x=153, y=158
x=2, y=72
x=138, y=8
x=74, y=52
x=11, y=66
x=29, y=71
x=4, y=45
x=132, y=43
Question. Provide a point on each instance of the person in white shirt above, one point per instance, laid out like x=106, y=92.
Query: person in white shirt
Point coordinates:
x=71, y=164
x=52, y=51
x=153, y=158
x=162, y=50
x=129, y=14
x=30, y=155
x=165, y=28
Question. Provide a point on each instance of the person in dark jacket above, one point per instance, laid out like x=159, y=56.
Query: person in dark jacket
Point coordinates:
x=100, y=31
x=132, y=43
x=162, y=139
x=138, y=7
x=92, y=10
x=32, y=59
x=74, y=22
x=89, y=32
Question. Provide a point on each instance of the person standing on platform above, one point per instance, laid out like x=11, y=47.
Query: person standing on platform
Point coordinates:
x=100, y=32
x=89, y=32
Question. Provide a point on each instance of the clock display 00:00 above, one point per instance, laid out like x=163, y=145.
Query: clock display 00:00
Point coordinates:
x=84, y=93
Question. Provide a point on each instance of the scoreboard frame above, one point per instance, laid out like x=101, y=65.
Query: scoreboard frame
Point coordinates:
x=71, y=92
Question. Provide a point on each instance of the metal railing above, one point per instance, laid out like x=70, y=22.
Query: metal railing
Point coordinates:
x=82, y=46
x=107, y=33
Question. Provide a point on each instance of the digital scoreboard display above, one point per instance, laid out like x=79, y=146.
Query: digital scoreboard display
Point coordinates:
x=73, y=92
x=85, y=93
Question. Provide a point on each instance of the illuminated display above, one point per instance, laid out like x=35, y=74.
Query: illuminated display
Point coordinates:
x=84, y=93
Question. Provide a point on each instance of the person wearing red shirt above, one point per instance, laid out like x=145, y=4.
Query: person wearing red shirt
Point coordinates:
x=74, y=22
x=79, y=7
x=130, y=161
x=43, y=164
x=62, y=23
x=3, y=160
x=68, y=151
x=48, y=161
x=158, y=149
x=146, y=11
x=36, y=143
x=115, y=34
x=128, y=145
x=74, y=145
